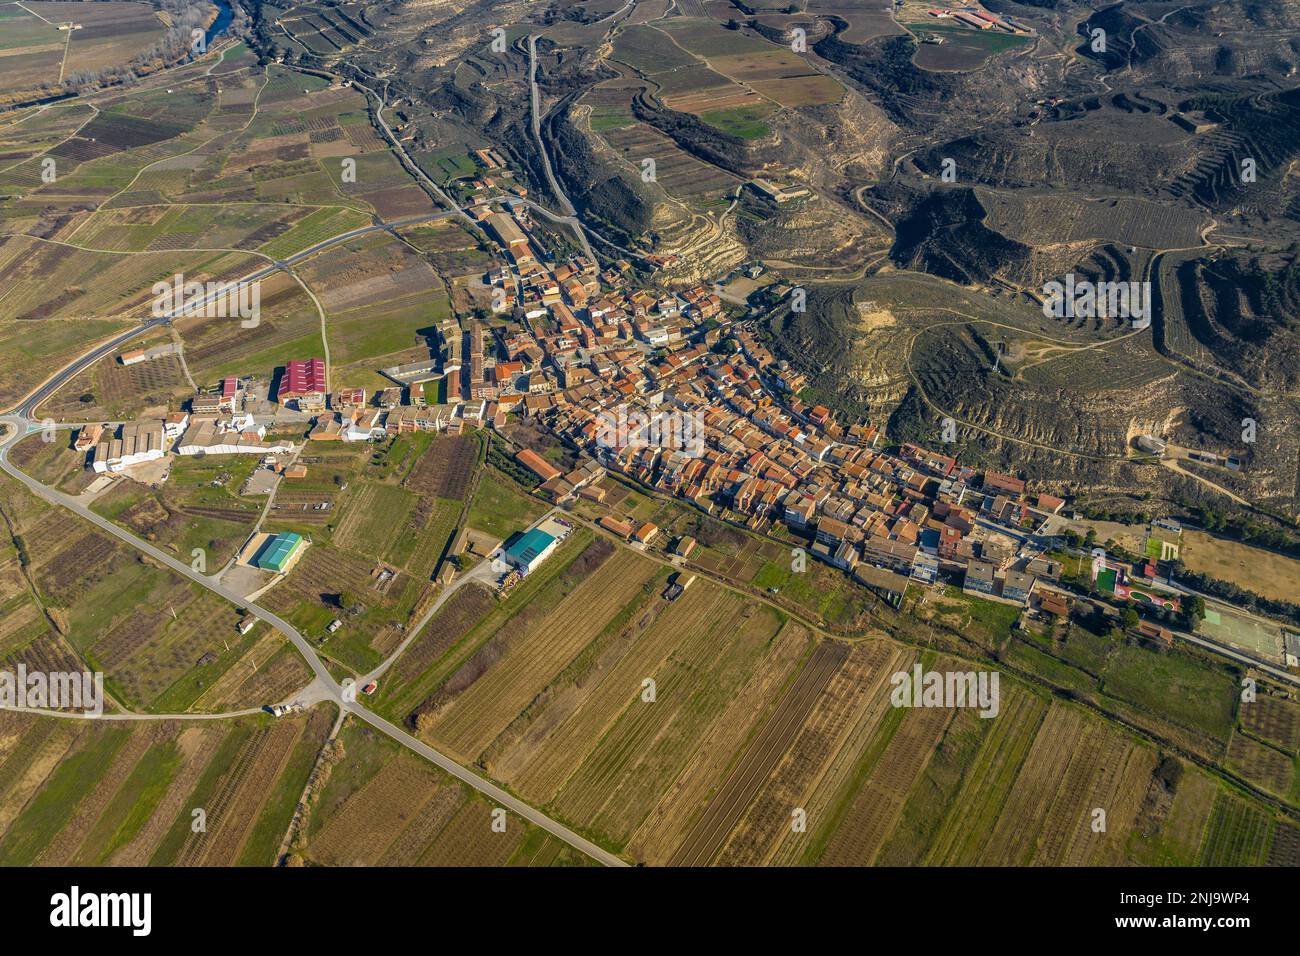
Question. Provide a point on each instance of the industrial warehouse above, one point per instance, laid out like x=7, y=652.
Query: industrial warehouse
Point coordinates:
x=277, y=553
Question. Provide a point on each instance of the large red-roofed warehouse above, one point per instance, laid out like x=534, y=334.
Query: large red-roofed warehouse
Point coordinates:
x=302, y=378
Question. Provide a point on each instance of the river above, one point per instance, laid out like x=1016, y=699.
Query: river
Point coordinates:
x=225, y=13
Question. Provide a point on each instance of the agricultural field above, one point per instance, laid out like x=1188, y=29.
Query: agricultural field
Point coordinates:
x=1266, y=573
x=501, y=508
x=164, y=644
x=865, y=22
x=450, y=248
x=381, y=300
x=1179, y=686
x=1266, y=746
x=550, y=700
x=330, y=582
x=1179, y=694
x=198, y=506
x=962, y=48
x=393, y=512
x=99, y=296
x=678, y=172
x=773, y=72
x=54, y=462
x=1041, y=220
x=473, y=615
x=685, y=84
x=210, y=180
x=1238, y=834
x=1025, y=789
x=381, y=806
x=34, y=43
x=110, y=391
x=289, y=326
x=1274, y=720
x=742, y=559
x=323, y=29
x=92, y=793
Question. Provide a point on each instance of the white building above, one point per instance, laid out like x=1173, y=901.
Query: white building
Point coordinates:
x=136, y=442
x=204, y=436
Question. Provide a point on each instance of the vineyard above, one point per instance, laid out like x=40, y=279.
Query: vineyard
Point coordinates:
x=94, y=792
x=1238, y=834
x=473, y=718
x=1261, y=764
x=384, y=806
x=818, y=760
x=446, y=468
x=373, y=516
x=771, y=743
x=457, y=617
x=1273, y=719
x=625, y=775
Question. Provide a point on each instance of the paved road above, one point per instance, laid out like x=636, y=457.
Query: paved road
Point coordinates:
x=324, y=687
x=18, y=423
x=482, y=573
x=1209, y=645
x=411, y=165
x=556, y=191
x=19, y=427
x=78, y=715
x=1244, y=658
x=491, y=790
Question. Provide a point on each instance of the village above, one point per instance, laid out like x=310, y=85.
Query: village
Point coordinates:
x=674, y=392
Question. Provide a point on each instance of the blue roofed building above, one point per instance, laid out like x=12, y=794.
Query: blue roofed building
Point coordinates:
x=532, y=548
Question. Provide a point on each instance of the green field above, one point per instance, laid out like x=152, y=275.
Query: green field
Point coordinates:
x=499, y=509
x=1174, y=684
x=746, y=122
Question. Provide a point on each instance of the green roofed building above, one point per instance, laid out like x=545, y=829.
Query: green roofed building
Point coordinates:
x=279, y=552
x=530, y=550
